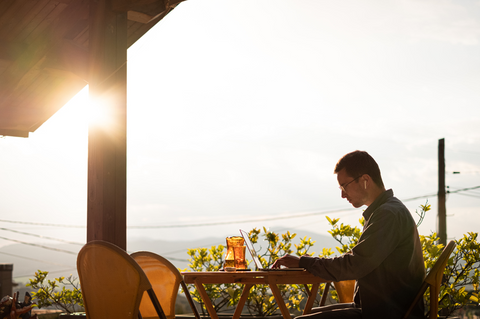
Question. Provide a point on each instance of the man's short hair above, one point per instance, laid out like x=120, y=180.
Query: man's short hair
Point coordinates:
x=358, y=163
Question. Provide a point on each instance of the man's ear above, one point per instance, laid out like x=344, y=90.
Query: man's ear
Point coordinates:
x=366, y=180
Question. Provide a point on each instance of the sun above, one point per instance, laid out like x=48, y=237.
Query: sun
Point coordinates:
x=107, y=111
x=99, y=111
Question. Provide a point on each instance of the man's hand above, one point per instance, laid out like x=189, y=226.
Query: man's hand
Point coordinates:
x=289, y=261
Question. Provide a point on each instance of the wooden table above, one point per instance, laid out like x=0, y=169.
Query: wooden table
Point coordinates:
x=251, y=278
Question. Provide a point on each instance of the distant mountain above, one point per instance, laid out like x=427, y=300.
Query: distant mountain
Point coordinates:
x=63, y=261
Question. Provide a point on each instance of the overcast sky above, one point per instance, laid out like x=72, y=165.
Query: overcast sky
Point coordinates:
x=239, y=110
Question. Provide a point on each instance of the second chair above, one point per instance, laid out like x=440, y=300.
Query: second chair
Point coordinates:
x=165, y=280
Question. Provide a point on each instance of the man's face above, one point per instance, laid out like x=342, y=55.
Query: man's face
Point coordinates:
x=352, y=188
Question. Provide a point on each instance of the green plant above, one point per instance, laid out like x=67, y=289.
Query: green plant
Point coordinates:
x=461, y=272
x=68, y=300
x=342, y=233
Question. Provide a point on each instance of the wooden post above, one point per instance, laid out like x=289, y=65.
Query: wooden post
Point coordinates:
x=6, y=279
x=107, y=152
x=442, y=210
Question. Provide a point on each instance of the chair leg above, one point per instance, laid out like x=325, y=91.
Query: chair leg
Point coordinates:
x=190, y=300
x=434, y=293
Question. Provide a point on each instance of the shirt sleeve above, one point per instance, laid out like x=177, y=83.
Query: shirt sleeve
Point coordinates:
x=379, y=239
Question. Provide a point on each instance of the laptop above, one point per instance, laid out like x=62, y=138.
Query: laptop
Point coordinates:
x=256, y=260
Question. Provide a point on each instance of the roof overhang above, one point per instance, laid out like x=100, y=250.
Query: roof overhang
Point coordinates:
x=44, y=54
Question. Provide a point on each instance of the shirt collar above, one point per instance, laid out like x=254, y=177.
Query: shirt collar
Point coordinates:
x=382, y=198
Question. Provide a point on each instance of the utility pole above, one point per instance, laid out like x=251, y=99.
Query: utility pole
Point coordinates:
x=442, y=211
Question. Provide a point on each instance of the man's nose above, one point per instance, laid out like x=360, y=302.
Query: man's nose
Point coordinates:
x=344, y=195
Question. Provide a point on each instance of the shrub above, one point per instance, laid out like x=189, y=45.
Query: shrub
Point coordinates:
x=461, y=272
x=47, y=295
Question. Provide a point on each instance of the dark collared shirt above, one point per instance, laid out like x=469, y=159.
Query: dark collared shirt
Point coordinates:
x=387, y=262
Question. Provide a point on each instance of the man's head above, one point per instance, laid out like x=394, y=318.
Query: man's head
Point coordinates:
x=359, y=178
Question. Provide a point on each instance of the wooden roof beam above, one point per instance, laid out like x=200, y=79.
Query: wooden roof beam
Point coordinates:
x=69, y=58
x=14, y=133
x=12, y=118
x=10, y=50
x=66, y=60
x=142, y=17
x=28, y=60
x=127, y=5
x=145, y=11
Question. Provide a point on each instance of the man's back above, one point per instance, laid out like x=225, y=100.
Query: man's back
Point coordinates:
x=397, y=270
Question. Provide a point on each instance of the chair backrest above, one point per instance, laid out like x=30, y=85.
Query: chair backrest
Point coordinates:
x=165, y=280
x=434, y=281
x=112, y=283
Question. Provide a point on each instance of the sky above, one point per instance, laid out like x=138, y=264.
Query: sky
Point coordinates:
x=239, y=110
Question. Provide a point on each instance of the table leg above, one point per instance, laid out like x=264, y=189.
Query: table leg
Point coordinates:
x=312, y=294
x=206, y=300
x=241, y=302
x=280, y=302
x=325, y=293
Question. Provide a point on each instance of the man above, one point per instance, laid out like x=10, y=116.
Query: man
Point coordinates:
x=387, y=263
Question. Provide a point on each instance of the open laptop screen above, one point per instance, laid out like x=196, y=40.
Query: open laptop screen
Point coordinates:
x=251, y=249
x=253, y=252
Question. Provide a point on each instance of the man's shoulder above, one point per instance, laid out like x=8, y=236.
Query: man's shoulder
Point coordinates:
x=393, y=206
x=394, y=202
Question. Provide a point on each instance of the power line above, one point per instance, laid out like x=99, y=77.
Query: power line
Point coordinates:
x=470, y=195
x=33, y=259
x=44, y=237
x=463, y=189
x=41, y=224
x=41, y=246
x=434, y=194
x=62, y=250
x=50, y=272
x=418, y=197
